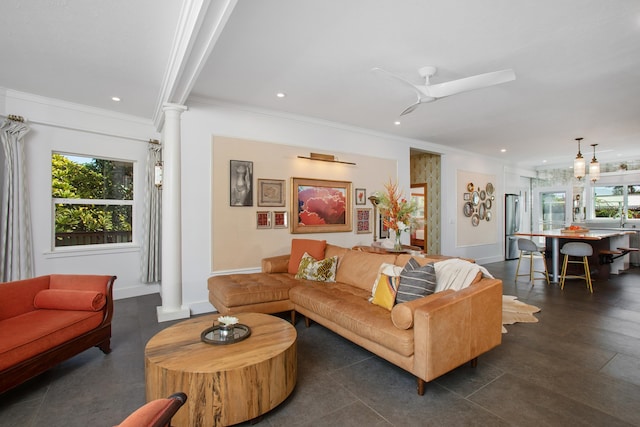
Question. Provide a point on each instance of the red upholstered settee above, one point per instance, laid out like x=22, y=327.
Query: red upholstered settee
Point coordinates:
x=46, y=320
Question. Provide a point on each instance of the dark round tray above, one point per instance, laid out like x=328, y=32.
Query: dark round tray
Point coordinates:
x=212, y=335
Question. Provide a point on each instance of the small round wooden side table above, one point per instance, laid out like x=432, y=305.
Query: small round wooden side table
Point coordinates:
x=225, y=384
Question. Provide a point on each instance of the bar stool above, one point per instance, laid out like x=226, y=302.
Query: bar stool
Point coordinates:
x=529, y=249
x=581, y=250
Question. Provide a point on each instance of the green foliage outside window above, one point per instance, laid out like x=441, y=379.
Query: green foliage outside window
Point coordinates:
x=89, y=179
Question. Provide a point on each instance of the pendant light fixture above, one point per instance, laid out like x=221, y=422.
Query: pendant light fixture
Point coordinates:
x=594, y=166
x=579, y=163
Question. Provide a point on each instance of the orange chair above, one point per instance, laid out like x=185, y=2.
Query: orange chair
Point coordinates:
x=157, y=413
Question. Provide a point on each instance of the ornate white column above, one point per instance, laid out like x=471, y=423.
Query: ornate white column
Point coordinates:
x=171, y=285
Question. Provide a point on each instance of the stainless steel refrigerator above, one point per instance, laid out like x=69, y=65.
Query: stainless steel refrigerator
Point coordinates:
x=511, y=225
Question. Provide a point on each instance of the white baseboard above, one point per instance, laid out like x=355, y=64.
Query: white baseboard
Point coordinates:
x=135, y=291
x=201, y=307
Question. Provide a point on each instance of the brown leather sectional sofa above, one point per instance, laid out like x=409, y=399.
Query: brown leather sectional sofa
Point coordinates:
x=427, y=337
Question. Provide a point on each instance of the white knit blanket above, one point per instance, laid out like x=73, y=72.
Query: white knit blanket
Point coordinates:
x=457, y=274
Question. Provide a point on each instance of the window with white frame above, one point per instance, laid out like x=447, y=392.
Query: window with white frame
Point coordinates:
x=619, y=202
x=92, y=200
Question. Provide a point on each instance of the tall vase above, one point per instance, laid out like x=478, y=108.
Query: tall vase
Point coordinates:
x=397, y=245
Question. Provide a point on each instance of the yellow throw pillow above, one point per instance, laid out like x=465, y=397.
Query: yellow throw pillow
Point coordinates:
x=386, y=289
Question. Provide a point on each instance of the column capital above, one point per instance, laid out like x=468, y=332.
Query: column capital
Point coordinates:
x=168, y=106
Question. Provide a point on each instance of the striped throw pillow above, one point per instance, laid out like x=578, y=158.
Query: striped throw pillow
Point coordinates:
x=416, y=281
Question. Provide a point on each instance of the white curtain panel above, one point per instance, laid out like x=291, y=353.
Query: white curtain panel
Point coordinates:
x=151, y=256
x=16, y=258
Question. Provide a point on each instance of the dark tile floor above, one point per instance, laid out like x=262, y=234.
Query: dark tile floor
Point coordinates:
x=580, y=365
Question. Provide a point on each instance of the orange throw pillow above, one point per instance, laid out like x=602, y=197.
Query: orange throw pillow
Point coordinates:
x=67, y=299
x=315, y=248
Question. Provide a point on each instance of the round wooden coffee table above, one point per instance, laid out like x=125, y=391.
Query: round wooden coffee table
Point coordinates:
x=225, y=384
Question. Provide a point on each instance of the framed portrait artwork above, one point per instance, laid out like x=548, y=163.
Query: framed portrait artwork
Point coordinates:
x=363, y=220
x=271, y=192
x=240, y=183
x=320, y=206
x=280, y=219
x=361, y=196
x=263, y=219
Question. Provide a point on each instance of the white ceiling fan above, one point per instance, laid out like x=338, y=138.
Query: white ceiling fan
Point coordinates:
x=431, y=92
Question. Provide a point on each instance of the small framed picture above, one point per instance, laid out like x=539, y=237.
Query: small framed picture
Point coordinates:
x=384, y=230
x=263, y=219
x=466, y=196
x=361, y=196
x=363, y=220
x=271, y=192
x=280, y=219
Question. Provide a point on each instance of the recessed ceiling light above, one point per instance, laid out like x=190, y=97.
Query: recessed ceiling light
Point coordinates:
x=397, y=123
x=544, y=161
x=115, y=98
x=281, y=94
x=504, y=150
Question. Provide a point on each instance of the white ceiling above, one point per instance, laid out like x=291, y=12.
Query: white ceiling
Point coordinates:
x=577, y=64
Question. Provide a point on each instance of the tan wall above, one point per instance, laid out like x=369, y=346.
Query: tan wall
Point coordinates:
x=425, y=168
x=236, y=242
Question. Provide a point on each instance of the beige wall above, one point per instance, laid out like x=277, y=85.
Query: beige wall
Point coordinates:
x=425, y=168
x=236, y=242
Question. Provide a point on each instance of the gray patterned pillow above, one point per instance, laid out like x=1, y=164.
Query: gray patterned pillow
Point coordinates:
x=320, y=271
x=416, y=281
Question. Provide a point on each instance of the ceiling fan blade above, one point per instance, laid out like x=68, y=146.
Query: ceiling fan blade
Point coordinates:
x=479, y=81
x=398, y=78
x=410, y=108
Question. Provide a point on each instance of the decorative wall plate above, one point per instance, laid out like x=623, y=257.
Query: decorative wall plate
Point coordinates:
x=470, y=187
x=482, y=211
x=483, y=195
x=488, y=203
x=490, y=189
x=475, y=220
x=468, y=209
x=475, y=198
x=488, y=216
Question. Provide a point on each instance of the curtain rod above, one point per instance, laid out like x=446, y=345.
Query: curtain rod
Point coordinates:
x=79, y=129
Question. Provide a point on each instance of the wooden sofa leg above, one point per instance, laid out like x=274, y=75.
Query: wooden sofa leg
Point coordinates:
x=307, y=321
x=474, y=362
x=293, y=317
x=105, y=346
x=421, y=387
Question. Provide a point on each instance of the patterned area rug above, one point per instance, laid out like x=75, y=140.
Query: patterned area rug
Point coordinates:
x=514, y=311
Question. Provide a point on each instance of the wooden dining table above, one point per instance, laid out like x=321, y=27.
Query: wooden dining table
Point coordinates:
x=611, y=239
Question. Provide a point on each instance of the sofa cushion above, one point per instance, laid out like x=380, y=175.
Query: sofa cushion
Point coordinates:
x=360, y=269
x=320, y=271
x=66, y=299
x=235, y=290
x=26, y=335
x=85, y=282
x=334, y=250
x=349, y=307
x=315, y=248
x=416, y=281
x=17, y=297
